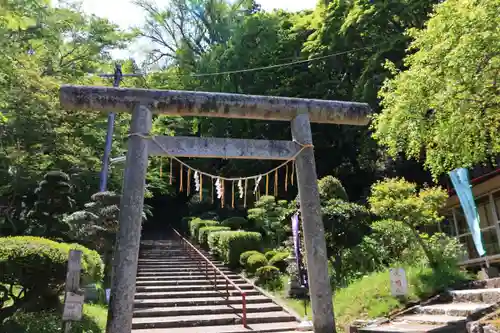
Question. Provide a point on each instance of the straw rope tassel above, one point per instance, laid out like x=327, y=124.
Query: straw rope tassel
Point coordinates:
x=267, y=184
x=232, y=194
x=222, y=193
x=171, y=161
x=293, y=172
x=286, y=178
x=201, y=187
x=188, y=185
x=212, y=190
x=245, y=194
x=161, y=167
x=276, y=183
x=180, y=186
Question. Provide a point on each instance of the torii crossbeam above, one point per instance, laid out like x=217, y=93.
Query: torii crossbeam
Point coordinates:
x=142, y=103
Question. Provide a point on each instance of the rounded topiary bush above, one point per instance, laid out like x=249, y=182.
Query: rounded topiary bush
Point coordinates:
x=233, y=243
x=270, y=254
x=39, y=266
x=254, y=262
x=204, y=232
x=279, y=260
x=197, y=224
x=235, y=223
x=245, y=255
x=269, y=277
x=213, y=242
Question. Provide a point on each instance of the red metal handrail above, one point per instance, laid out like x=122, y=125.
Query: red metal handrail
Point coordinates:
x=201, y=258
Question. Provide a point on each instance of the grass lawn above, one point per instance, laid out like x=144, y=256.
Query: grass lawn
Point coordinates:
x=94, y=321
x=370, y=297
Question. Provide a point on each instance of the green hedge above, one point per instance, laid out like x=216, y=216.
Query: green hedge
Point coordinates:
x=270, y=254
x=269, y=277
x=204, y=232
x=39, y=265
x=232, y=244
x=254, y=262
x=279, y=261
x=213, y=242
x=245, y=255
x=235, y=223
x=196, y=224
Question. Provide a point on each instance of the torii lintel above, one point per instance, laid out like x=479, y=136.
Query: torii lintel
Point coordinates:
x=211, y=104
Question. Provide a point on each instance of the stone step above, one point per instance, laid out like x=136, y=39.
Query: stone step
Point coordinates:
x=488, y=296
x=187, y=282
x=198, y=301
x=431, y=319
x=192, y=294
x=156, y=288
x=284, y=327
x=452, y=309
x=210, y=320
x=180, y=264
x=180, y=269
x=179, y=276
x=204, y=309
x=406, y=328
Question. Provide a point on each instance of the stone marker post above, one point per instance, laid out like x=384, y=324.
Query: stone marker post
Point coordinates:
x=129, y=234
x=314, y=234
x=72, y=310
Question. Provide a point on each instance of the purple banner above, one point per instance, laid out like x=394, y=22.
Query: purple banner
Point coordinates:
x=296, y=246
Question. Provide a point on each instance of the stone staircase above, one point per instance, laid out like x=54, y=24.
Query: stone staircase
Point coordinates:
x=449, y=315
x=173, y=295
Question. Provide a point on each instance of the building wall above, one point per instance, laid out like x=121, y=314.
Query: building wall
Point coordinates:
x=487, y=197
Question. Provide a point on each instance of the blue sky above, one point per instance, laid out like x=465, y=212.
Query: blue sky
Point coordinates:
x=125, y=14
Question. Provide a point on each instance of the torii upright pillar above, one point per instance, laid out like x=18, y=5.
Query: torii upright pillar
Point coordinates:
x=185, y=103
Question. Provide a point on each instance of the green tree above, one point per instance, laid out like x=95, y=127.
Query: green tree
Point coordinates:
x=400, y=201
x=54, y=200
x=96, y=226
x=446, y=105
x=269, y=216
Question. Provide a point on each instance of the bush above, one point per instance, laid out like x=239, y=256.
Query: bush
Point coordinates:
x=254, y=262
x=93, y=321
x=269, y=277
x=39, y=265
x=279, y=261
x=235, y=223
x=270, y=254
x=233, y=243
x=196, y=224
x=245, y=255
x=204, y=232
x=213, y=242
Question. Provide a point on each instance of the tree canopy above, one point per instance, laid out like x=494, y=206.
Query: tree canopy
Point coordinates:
x=446, y=105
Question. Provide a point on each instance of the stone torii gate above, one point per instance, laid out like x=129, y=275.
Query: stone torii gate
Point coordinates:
x=142, y=102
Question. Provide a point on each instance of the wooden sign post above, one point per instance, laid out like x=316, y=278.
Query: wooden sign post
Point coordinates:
x=143, y=102
x=73, y=298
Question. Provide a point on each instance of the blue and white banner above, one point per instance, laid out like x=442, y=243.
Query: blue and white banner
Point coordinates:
x=460, y=179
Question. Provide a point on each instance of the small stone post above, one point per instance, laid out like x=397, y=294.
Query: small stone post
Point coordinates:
x=129, y=235
x=314, y=233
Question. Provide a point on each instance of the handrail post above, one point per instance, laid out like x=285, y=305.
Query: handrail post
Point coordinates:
x=244, y=308
x=215, y=279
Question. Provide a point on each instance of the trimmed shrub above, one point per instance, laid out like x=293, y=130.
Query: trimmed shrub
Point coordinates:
x=235, y=223
x=233, y=243
x=213, y=242
x=245, y=255
x=279, y=261
x=39, y=265
x=254, y=262
x=196, y=224
x=205, y=231
x=269, y=277
x=270, y=254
